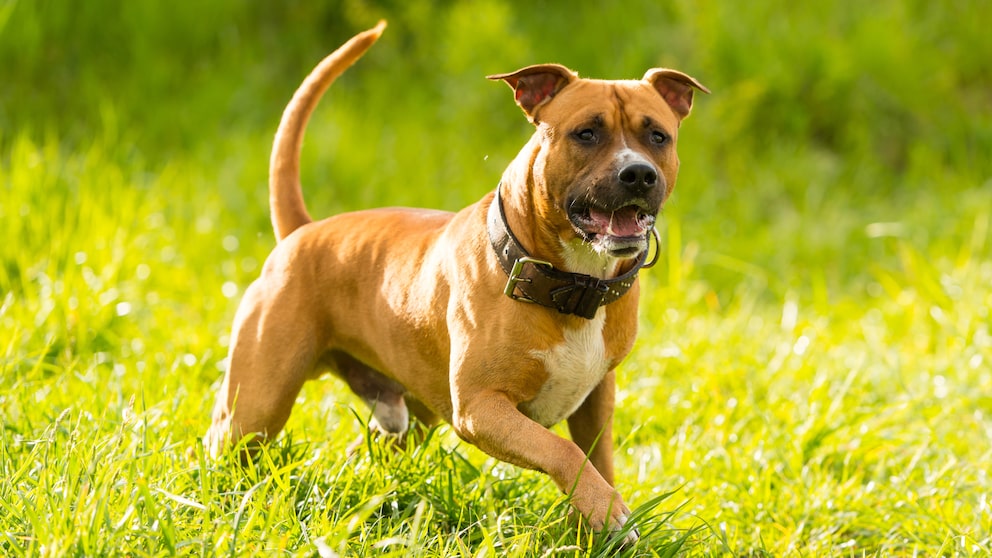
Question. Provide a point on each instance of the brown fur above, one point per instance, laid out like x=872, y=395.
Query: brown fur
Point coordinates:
x=406, y=305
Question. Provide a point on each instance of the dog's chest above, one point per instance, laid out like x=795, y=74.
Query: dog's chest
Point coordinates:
x=575, y=366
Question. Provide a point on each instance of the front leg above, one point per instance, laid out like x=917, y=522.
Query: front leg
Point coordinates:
x=591, y=426
x=492, y=422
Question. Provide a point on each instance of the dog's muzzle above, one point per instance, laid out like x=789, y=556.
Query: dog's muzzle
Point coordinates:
x=617, y=219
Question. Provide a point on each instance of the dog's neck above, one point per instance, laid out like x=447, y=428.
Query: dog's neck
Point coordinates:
x=573, y=255
x=532, y=279
x=581, y=257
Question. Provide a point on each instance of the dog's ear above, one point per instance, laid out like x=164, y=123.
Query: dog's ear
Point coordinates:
x=535, y=85
x=675, y=87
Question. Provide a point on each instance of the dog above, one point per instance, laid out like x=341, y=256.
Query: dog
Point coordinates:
x=502, y=319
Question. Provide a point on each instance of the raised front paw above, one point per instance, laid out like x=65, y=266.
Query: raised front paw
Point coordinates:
x=605, y=510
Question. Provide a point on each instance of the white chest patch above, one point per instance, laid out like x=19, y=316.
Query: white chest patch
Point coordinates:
x=575, y=367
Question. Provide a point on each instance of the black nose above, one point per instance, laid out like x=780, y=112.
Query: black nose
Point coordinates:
x=638, y=177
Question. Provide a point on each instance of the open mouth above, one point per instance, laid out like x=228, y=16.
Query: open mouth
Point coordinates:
x=622, y=231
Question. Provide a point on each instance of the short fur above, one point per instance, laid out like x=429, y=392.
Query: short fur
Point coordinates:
x=407, y=305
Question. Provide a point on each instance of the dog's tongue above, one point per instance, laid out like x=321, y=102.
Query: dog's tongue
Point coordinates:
x=622, y=222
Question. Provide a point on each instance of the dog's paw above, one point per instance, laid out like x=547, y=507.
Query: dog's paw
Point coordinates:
x=630, y=534
x=617, y=524
x=607, y=513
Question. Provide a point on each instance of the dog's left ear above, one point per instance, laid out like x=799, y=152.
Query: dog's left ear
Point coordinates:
x=675, y=87
x=535, y=85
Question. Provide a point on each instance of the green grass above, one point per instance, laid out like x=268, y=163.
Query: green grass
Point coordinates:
x=814, y=371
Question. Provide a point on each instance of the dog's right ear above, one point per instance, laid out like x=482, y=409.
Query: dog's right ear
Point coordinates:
x=535, y=85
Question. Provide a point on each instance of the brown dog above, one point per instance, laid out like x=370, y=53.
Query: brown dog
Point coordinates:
x=504, y=318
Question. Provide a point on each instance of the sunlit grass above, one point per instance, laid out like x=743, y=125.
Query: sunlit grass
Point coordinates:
x=747, y=419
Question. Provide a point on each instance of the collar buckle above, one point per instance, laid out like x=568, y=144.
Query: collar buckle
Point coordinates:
x=518, y=268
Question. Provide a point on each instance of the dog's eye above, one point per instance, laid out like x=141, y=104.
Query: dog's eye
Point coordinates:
x=659, y=138
x=586, y=135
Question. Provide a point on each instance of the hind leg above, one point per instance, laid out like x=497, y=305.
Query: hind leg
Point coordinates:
x=383, y=395
x=273, y=350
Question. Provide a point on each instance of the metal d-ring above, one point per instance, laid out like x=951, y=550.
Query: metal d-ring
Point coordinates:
x=657, y=248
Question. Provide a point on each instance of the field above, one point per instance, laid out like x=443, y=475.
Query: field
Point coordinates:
x=813, y=375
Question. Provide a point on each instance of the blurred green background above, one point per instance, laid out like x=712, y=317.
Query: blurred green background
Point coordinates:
x=817, y=109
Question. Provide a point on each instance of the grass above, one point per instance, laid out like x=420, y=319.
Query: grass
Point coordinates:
x=813, y=371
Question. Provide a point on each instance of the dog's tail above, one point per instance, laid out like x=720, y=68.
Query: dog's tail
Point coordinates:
x=285, y=193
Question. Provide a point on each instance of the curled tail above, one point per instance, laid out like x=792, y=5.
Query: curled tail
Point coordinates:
x=285, y=194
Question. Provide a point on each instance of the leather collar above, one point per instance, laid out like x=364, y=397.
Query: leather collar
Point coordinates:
x=537, y=281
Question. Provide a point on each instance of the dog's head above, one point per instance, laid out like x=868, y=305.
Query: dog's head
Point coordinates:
x=605, y=157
